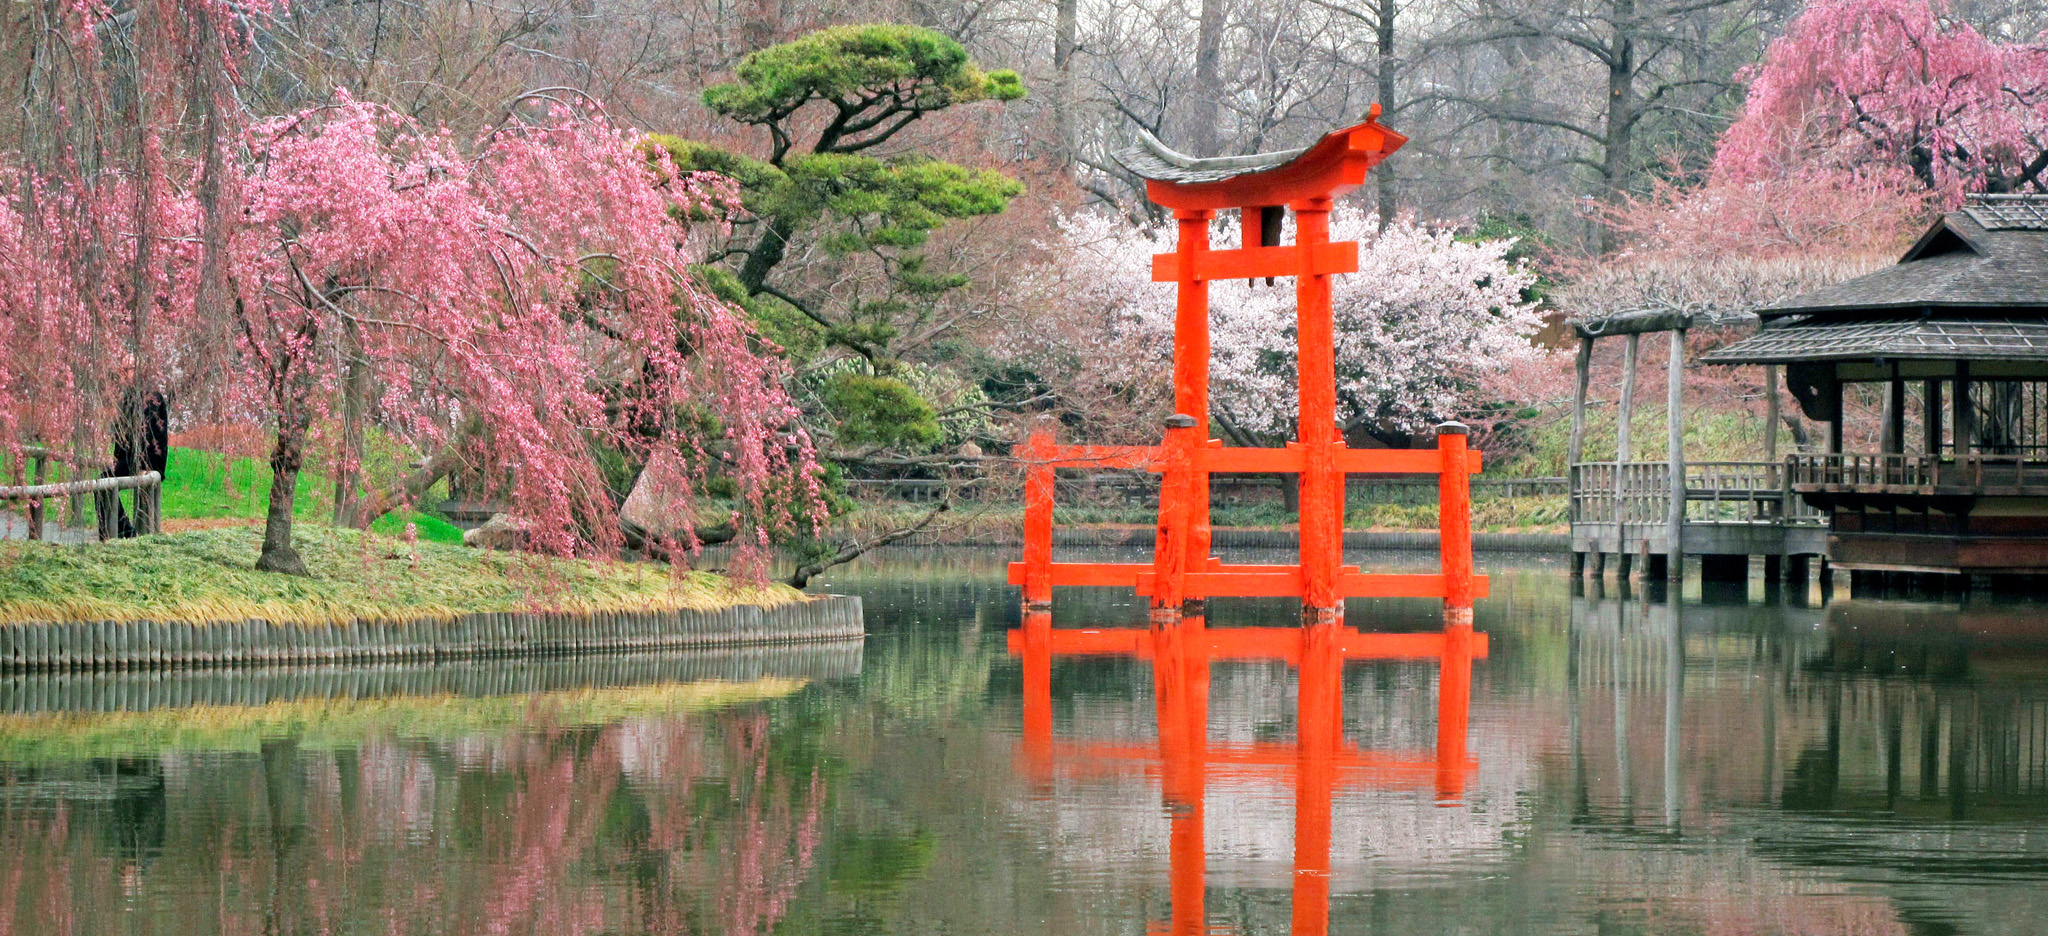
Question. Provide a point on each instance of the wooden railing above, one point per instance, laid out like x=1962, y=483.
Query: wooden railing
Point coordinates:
x=1744, y=492
x=1968, y=474
x=1620, y=492
x=1715, y=492
x=148, y=488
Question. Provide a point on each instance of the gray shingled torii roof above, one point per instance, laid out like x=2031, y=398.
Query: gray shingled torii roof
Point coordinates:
x=1152, y=159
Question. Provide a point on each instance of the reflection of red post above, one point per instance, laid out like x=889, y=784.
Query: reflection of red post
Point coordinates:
x=1322, y=486
x=1319, y=729
x=1038, y=484
x=1453, y=702
x=1038, y=694
x=1181, y=691
x=1454, y=523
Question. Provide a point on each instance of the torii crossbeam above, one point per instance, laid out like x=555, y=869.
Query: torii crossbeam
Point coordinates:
x=1264, y=188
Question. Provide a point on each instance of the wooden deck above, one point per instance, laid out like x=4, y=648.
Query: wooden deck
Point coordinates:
x=1731, y=509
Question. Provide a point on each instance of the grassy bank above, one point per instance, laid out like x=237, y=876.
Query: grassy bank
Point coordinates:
x=209, y=575
x=347, y=723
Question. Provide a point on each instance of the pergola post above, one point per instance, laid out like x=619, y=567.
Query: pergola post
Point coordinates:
x=1575, y=448
x=1675, y=422
x=1623, y=452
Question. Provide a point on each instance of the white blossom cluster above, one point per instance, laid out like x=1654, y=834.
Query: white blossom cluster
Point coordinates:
x=1425, y=316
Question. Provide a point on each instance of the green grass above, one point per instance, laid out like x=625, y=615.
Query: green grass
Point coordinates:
x=210, y=575
x=347, y=723
x=201, y=485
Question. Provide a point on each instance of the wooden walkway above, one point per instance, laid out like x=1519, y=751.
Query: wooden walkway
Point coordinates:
x=1732, y=510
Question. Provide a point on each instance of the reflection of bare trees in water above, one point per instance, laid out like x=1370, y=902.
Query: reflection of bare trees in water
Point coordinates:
x=661, y=825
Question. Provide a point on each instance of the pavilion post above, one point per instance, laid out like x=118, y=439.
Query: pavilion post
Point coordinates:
x=1674, y=419
x=1930, y=418
x=1835, y=423
x=1771, y=413
x=1894, y=414
x=1960, y=419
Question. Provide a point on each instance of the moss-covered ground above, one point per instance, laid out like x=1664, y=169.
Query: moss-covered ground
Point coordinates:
x=210, y=575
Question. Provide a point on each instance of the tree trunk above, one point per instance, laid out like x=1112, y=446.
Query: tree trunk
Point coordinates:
x=1066, y=27
x=1621, y=111
x=805, y=571
x=1207, y=112
x=1384, y=27
x=348, y=470
x=285, y=459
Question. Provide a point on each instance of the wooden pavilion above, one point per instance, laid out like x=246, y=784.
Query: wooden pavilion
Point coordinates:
x=1956, y=336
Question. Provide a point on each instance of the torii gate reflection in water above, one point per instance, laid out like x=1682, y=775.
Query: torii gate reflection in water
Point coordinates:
x=1182, y=571
x=1319, y=759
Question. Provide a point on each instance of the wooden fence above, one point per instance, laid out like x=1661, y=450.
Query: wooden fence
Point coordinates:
x=92, y=646
x=1639, y=493
x=106, y=493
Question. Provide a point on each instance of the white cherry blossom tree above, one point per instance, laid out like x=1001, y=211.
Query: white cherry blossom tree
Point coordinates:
x=1424, y=320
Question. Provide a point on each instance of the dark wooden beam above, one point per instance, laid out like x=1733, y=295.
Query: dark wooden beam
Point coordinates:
x=1631, y=323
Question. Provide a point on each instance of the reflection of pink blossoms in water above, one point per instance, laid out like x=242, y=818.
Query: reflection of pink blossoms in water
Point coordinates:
x=522, y=834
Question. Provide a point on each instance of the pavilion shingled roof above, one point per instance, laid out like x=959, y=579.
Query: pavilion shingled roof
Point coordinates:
x=1992, y=254
x=1902, y=337
x=1974, y=287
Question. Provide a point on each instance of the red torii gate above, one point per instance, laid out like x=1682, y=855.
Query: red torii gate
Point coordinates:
x=1182, y=569
x=1318, y=762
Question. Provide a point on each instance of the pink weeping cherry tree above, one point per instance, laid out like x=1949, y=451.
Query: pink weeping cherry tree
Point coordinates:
x=523, y=298
x=1902, y=84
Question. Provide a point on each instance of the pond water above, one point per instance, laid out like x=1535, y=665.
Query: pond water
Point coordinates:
x=1743, y=763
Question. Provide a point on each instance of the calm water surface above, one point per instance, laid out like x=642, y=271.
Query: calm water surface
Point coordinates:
x=1729, y=764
